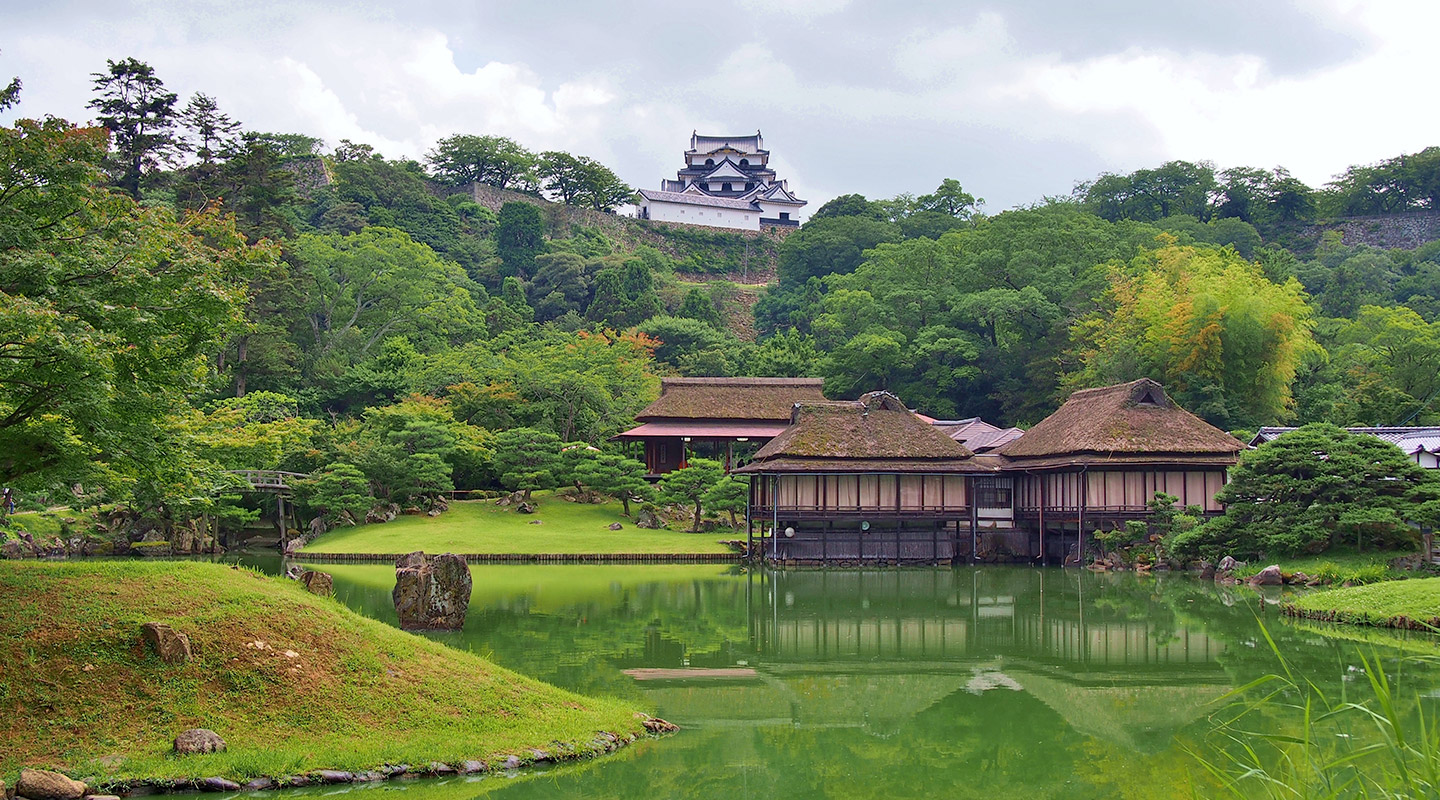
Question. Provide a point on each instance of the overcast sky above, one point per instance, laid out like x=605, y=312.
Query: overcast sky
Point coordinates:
x=1017, y=99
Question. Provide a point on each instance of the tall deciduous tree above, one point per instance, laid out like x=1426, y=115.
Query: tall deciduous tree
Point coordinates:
x=1206, y=323
x=111, y=311
x=360, y=289
x=140, y=115
x=464, y=158
x=519, y=238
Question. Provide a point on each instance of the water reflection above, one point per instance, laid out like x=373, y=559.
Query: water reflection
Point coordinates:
x=893, y=683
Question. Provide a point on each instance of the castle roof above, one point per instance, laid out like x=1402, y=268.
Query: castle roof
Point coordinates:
x=745, y=144
x=1124, y=423
x=697, y=198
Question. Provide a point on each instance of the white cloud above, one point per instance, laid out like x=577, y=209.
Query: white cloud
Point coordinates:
x=972, y=98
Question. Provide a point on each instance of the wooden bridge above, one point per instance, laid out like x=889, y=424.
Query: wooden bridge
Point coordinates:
x=270, y=480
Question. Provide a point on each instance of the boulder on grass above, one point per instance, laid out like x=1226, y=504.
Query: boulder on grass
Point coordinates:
x=615, y=526
x=172, y=646
x=198, y=740
x=1270, y=576
x=42, y=784
x=318, y=582
x=647, y=519
x=432, y=592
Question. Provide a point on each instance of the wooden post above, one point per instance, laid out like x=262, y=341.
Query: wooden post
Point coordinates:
x=280, y=518
x=974, y=521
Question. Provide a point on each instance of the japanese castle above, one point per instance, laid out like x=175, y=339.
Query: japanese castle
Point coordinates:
x=727, y=182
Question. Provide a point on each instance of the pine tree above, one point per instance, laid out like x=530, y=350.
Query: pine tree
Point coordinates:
x=140, y=116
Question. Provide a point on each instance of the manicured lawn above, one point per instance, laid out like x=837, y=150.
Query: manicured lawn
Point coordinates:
x=291, y=681
x=480, y=526
x=1403, y=604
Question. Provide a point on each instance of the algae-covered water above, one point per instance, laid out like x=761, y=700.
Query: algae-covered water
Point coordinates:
x=992, y=682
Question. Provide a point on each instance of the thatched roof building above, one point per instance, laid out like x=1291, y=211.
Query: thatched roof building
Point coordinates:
x=713, y=414
x=699, y=407
x=876, y=433
x=1128, y=423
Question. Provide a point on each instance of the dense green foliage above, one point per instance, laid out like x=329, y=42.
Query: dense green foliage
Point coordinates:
x=1314, y=488
x=395, y=325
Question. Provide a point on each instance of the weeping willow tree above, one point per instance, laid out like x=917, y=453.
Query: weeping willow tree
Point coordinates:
x=1225, y=340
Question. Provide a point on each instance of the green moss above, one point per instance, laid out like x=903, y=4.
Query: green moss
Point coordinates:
x=293, y=682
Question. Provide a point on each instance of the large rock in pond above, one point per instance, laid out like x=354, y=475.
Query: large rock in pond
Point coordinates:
x=318, y=582
x=41, y=784
x=432, y=592
x=1270, y=576
x=199, y=740
x=172, y=646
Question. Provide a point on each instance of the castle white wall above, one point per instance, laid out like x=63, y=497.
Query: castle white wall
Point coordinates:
x=739, y=219
x=773, y=210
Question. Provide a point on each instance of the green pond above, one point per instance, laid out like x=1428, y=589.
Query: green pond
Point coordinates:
x=972, y=682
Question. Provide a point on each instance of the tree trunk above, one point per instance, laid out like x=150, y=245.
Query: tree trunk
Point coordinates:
x=696, y=528
x=625, y=502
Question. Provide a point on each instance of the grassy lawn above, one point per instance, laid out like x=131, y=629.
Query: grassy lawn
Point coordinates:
x=1401, y=604
x=1337, y=565
x=40, y=524
x=293, y=682
x=479, y=526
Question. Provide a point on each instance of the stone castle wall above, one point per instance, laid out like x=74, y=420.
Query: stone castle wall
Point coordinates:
x=1407, y=230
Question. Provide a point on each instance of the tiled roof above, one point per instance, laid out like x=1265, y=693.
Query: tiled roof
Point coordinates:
x=1411, y=440
x=696, y=199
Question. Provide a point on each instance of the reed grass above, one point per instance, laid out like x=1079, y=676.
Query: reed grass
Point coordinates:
x=1285, y=736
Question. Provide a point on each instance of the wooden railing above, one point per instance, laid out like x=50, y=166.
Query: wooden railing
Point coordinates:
x=269, y=480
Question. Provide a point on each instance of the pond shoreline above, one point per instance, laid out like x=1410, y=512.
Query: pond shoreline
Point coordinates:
x=506, y=764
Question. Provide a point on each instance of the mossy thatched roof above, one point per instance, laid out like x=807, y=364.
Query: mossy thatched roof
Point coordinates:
x=731, y=398
x=1127, y=419
x=876, y=433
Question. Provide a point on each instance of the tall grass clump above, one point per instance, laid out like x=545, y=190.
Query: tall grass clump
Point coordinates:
x=1360, y=744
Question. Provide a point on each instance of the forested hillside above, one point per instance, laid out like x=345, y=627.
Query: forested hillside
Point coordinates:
x=182, y=296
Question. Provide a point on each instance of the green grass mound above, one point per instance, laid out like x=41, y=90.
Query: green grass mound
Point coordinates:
x=1411, y=604
x=1337, y=565
x=480, y=526
x=291, y=681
